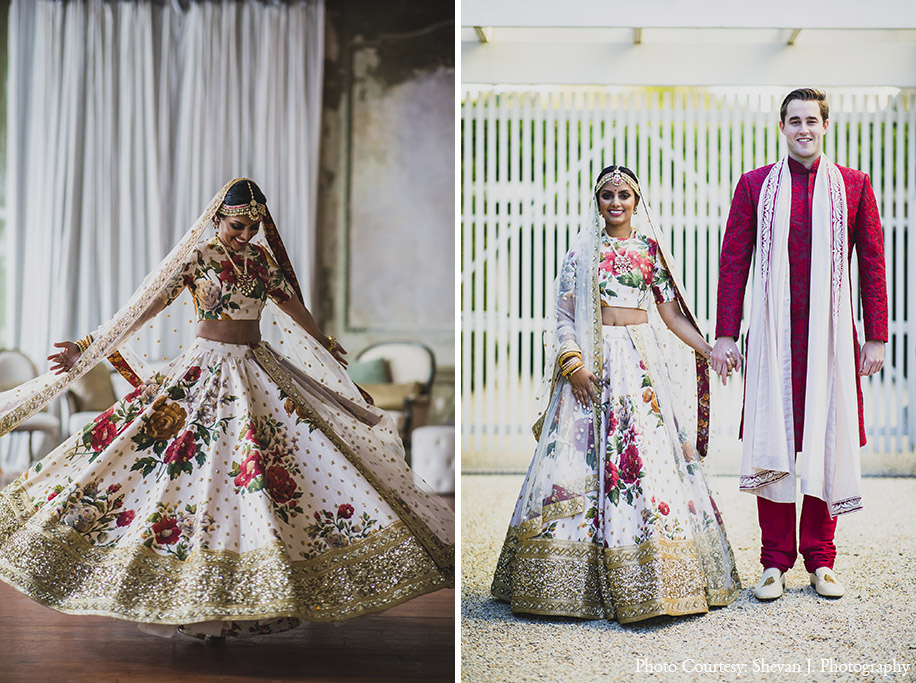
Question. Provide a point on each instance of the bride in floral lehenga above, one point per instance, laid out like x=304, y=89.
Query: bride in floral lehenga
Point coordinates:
x=615, y=519
x=236, y=491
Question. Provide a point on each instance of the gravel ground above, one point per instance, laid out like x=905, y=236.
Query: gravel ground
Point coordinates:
x=850, y=639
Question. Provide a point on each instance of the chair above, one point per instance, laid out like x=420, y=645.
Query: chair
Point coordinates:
x=432, y=456
x=16, y=368
x=406, y=387
x=88, y=396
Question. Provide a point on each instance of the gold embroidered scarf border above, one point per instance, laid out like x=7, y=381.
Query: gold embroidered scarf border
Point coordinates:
x=561, y=509
x=106, y=339
x=581, y=579
x=443, y=554
x=56, y=567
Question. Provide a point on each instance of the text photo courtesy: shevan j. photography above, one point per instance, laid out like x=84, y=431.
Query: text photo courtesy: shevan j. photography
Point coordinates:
x=687, y=424
x=227, y=367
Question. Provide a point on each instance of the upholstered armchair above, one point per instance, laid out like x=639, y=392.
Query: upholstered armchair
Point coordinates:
x=399, y=377
x=92, y=394
x=16, y=368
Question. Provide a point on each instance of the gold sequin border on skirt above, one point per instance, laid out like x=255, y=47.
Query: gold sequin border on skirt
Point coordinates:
x=53, y=565
x=581, y=579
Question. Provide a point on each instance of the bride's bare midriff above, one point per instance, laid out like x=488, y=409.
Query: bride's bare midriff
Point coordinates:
x=617, y=315
x=230, y=331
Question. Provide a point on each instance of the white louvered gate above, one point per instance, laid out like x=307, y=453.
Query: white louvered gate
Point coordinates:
x=528, y=161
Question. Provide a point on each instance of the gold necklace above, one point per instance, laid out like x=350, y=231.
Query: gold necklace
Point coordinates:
x=246, y=283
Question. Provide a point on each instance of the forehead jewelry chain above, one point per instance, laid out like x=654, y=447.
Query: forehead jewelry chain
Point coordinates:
x=617, y=179
x=247, y=283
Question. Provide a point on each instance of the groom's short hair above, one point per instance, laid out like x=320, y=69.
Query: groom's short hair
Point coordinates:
x=806, y=94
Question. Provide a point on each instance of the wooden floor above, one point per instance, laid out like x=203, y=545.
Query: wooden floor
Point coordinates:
x=414, y=641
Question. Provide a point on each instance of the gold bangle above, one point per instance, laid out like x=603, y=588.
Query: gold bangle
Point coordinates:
x=570, y=357
x=83, y=344
x=569, y=364
x=571, y=361
x=570, y=368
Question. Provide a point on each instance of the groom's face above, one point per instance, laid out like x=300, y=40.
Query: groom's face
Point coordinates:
x=804, y=130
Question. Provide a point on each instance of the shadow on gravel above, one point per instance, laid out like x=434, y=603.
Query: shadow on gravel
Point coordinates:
x=478, y=609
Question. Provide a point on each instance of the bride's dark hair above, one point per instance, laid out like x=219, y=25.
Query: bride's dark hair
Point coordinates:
x=239, y=194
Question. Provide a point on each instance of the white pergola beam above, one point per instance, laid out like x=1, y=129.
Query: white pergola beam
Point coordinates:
x=700, y=65
x=780, y=14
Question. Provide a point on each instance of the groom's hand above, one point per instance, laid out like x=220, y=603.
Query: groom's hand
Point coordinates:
x=871, y=357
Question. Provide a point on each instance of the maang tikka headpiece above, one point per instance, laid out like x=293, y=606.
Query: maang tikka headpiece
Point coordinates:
x=254, y=209
x=618, y=178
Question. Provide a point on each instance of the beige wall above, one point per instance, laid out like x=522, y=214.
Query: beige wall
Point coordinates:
x=386, y=210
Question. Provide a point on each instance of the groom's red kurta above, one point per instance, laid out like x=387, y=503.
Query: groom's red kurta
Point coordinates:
x=865, y=235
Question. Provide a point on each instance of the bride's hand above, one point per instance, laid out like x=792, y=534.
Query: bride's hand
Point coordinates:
x=335, y=349
x=66, y=359
x=581, y=382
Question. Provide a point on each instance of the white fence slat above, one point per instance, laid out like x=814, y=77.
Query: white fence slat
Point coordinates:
x=467, y=267
x=632, y=154
x=898, y=314
x=527, y=229
x=550, y=219
x=491, y=221
x=701, y=288
x=909, y=164
x=509, y=345
x=501, y=277
x=689, y=207
x=664, y=178
x=641, y=129
x=886, y=208
x=715, y=215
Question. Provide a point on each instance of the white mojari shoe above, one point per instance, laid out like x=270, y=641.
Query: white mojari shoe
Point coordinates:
x=825, y=583
x=772, y=584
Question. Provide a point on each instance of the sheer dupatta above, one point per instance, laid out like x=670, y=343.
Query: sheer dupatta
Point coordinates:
x=564, y=467
x=431, y=521
x=22, y=402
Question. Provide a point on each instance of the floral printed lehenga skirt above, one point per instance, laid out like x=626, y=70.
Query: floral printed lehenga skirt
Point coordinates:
x=628, y=530
x=213, y=494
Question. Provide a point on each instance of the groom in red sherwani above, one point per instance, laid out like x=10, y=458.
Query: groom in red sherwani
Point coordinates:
x=803, y=121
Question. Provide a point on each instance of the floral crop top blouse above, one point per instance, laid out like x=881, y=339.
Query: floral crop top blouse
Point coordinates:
x=220, y=290
x=629, y=268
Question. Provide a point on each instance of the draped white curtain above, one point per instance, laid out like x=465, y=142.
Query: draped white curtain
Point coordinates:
x=124, y=119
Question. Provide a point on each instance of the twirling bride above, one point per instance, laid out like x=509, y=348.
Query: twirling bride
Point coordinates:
x=236, y=491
